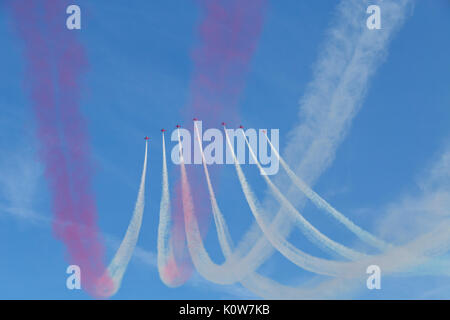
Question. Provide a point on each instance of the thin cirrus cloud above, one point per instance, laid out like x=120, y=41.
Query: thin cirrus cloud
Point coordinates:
x=421, y=210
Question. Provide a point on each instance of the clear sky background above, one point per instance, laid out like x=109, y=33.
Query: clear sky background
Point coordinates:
x=138, y=83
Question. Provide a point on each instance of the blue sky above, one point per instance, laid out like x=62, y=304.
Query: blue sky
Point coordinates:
x=390, y=165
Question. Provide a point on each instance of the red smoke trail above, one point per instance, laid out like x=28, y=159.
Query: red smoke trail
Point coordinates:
x=228, y=36
x=55, y=63
x=179, y=267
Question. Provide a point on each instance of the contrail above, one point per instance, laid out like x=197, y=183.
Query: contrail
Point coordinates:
x=322, y=204
x=170, y=274
x=119, y=263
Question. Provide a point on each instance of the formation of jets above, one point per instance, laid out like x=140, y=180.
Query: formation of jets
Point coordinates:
x=178, y=127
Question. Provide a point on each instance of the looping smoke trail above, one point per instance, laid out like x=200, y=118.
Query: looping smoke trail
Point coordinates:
x=55, y=64
x=323, y=204
x=119, y=263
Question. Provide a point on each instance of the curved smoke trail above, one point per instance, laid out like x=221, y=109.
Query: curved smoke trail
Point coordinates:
x=202, y=262
x=300, y=258
x=309, y=230
x=119, y=263
x=222, y=229
x=323, y=204
x=235, y=268
x=232, y=270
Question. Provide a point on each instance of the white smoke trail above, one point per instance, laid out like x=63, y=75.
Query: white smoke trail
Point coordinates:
x=119, y=263
x=321, y=203
x=309, y=230
x=226, y=273
x=221, y=226
x=300, y=258
x=167, y=268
